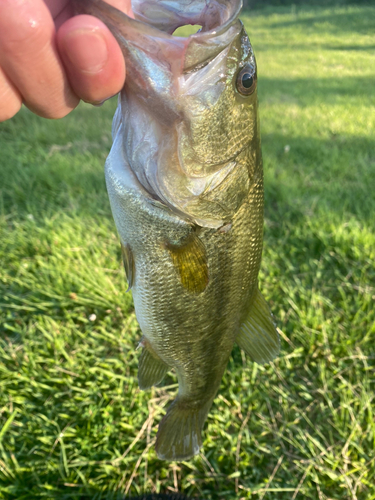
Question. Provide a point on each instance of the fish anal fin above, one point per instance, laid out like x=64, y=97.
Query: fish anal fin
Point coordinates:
x=129, y=265
x=151, y=369
x=258, y=336
x=180, y=432
x=190, y=261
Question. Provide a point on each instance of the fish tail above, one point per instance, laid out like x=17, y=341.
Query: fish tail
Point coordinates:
x=180, y=432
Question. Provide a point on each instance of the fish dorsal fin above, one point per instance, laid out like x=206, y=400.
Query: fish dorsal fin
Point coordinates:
x=151, y=369
x=258, y=336
x=190, y=261
x=129, y=265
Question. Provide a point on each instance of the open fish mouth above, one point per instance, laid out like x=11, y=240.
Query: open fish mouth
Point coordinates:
x=214, y=16
x=155, y=58
x=179, y=102
x=168, y=15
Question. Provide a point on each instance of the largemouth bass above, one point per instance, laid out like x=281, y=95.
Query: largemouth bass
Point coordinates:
x=185, y=183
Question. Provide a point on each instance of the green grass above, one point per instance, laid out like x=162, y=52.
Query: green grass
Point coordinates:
x=73, y=423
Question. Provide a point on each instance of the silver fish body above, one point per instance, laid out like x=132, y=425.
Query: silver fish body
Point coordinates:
x=185, y=183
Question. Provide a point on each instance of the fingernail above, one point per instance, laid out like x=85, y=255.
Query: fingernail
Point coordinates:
x=98, y=104
x=86, y=50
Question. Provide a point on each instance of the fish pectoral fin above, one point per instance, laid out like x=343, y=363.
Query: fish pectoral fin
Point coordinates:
x=151, y=369
x=179, y=435
x=258, y=336
x=129, y=266
x=190, y=261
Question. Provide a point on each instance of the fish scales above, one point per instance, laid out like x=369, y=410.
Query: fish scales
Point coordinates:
x=185, y=183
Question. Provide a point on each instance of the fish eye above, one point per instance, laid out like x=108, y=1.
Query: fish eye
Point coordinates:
x=246, y=80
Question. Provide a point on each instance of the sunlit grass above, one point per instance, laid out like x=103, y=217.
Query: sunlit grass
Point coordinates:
x=73, y=423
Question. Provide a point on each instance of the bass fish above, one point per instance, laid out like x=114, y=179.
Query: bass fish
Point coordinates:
x=185, y=183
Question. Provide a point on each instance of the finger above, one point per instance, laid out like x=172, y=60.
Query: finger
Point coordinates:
x=29, y=57
x=92, y=58
x=62, y=10
x=10, y=99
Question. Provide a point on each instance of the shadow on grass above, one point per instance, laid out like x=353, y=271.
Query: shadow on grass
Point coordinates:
x=296, y=46
x=307, y=91
x=327, y=175
x=361, y=21
x=358, y=48
x=48, y=167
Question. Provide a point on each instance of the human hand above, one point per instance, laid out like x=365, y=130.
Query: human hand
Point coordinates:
x=49, y=60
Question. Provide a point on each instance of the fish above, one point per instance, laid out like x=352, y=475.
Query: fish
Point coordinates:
x=185, y=183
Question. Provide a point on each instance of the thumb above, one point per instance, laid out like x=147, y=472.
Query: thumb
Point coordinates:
x=92, y=58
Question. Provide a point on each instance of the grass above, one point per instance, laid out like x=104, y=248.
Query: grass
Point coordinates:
x=73, y=423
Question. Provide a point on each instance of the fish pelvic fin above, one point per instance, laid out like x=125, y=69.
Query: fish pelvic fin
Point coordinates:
x=129, y=265
x=151, y=369
x=258, y=336
x=180, y=432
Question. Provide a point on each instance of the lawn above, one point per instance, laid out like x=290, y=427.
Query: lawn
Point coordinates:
x=73, y=423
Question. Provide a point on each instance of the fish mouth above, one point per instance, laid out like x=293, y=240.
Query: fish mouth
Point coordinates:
x=168, y=15
x=216, y=17
x=151, y=31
